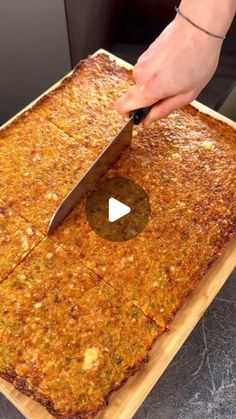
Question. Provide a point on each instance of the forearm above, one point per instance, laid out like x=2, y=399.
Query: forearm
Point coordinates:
x=213, y=15
x=181, y=61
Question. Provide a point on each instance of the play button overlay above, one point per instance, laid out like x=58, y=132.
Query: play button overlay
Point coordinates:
x=117, y=209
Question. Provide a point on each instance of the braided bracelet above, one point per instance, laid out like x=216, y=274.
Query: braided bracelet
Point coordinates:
x=198, y=27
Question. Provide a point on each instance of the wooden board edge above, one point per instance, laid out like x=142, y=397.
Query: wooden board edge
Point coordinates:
x=119, y=61
x=23, y=404
x=205, y=109
x=125, y=403
x=127, y=400
x=195, y=103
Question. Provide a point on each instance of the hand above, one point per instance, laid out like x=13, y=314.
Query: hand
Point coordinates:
x=172, y=71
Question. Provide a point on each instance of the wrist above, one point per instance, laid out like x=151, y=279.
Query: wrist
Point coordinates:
x=214, y=16
x=190, y=31
x=200, y=28
x=198, y=41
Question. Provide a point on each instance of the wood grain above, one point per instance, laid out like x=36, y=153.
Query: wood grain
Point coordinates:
x=126, y=401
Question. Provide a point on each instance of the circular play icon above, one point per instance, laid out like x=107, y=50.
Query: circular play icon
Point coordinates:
x=117, y=209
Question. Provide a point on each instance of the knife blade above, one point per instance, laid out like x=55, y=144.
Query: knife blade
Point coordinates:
x=99, y=167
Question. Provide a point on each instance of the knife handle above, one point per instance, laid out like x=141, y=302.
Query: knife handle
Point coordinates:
x=139, y=114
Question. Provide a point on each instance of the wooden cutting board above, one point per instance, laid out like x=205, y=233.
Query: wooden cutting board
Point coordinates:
x=125, y=402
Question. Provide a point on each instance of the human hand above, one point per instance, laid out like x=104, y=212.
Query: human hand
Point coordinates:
x=172, y=71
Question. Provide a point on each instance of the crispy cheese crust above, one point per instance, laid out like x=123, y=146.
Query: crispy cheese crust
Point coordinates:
x=186, y=163
x=65, y=335
x=83, y=106
x=77, y=318
x=17, y=239
x=40, y=164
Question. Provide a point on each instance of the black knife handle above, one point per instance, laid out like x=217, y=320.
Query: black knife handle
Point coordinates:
x=139, y=114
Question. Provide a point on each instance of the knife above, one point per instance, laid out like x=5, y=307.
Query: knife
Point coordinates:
x=99, y=167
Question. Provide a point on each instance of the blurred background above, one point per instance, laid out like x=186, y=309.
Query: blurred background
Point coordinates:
x=40, y=41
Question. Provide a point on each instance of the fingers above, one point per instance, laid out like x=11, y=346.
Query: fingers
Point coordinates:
x=141, y=96
x=136, y=98
x=167, y=106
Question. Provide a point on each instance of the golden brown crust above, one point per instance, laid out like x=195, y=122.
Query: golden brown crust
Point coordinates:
x=83, y=105
x=187, y=166
x=17, y=239
x=186, y=163
x=67, y=340
x=38, y=160
x=21, y=385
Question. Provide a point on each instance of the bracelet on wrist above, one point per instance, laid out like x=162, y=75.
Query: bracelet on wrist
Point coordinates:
x=178, y=11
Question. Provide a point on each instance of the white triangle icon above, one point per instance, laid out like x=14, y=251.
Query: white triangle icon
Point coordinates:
x=116, y=210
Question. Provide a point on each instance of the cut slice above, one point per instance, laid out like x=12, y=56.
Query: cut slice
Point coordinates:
x=68, y=339
x=83, y=105
x=191, y=188
x=49, y=268
x=17, y=238
x=40, y=164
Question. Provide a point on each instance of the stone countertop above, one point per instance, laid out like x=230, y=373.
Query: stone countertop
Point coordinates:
x=200, y=383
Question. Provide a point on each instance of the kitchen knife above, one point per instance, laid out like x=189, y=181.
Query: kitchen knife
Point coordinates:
x=109, y=156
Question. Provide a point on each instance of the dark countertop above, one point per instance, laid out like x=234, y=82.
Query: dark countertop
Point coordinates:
x=200, y=383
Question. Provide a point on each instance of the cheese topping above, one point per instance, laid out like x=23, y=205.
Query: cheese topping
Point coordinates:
x=90, y=358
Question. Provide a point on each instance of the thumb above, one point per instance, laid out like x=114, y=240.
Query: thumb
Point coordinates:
x=137, y=97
